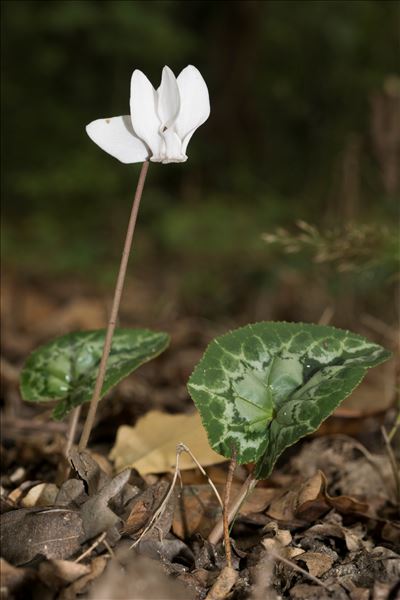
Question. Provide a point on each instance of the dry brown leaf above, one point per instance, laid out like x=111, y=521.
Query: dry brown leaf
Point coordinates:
x=223, y=585
x=150, y=446
x=317, y=563
x=282, y=536
x=352, y=537
x=359, y=594
x=310, y=501
x=274, y=545
x=198, y=508
x=279, y=543
x=30, y=532
x=144, y=506
x=95, y=513
x=304, y=504
x=58, y=573
x=43, y=494
x=97, y=567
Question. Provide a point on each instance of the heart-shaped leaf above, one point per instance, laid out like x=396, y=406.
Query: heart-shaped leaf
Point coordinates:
x=261, y=388
x=66, y=368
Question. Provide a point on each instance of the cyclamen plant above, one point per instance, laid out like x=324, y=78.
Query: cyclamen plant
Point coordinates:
x=158, y=129
x=258, y=389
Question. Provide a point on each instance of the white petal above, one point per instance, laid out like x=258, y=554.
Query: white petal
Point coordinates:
x=145, y=121
x=168, y=98
x=116, y=136
x=173, y=148
x=195, y=104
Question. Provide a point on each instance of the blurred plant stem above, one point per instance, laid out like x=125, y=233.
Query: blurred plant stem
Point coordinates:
x=225, y=514
x=72, y=426
x=114, y=310
x=246, y=489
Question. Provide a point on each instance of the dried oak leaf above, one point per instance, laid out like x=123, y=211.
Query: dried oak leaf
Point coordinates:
x=95, y=512
x=223, y=584
x=97, y=567
x=143, y=508
x=49, y=533
x=59, y=573
x=42, y=494
x=89, y=471
x=310, y=501
x=150, y=446
x=72, y=494
x=198, y=508
x=317, y=563
x=352, y=537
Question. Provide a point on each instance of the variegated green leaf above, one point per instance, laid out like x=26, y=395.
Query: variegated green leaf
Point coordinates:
x=261, y=388
x=66, y=368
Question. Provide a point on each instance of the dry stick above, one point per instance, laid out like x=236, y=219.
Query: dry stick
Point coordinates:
x=114, y=310
x=160, y=510
x=225, y=512
x=395, y=427
x=98, y=541
x=72, y=425
x=203, y=472
x=244, y=491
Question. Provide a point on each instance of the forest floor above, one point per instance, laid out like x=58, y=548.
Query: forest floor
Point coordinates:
x=326, y=524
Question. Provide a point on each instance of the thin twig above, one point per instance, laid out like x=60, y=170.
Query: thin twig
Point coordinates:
x=110, y=550
x=395, y=427
x=92, y=547
x=160, y=510
x=225, y=513
x=293, y=565
x=247, y=487
x=114, y=310
x=203, y=472
x=326, y=316
x=72, y=425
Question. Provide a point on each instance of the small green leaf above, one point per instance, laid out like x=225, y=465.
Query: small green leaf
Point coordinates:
x=66, y=368
x=261, y=388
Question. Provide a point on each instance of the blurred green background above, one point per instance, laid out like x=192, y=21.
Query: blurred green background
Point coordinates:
x=304, y=125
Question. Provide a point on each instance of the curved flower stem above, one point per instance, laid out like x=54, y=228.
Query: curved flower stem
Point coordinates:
x=114, y=310
x=247, y=487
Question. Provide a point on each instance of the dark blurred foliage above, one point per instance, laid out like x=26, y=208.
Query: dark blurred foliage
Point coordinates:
x=300, y=94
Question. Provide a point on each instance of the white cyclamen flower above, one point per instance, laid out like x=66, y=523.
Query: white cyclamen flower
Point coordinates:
x=161, y=122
